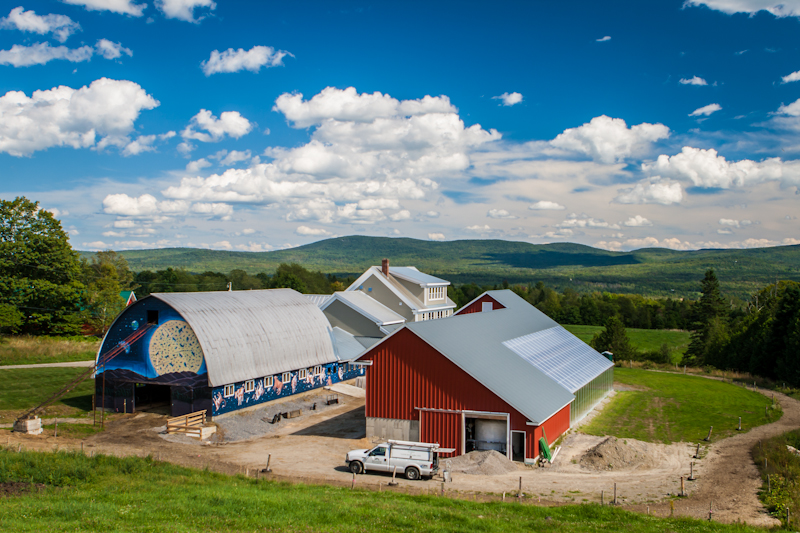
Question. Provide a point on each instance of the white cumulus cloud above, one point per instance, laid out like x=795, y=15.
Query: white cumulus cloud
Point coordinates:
x=111, y=50
x=694, y=80
x=734, y=223
x=706, y=168
x=123, y=7
x=603, y=39
x=235, y=60
x=436, y=236
x=41, y=53
x=145, y=143
x=780, y=8
x=197, y=165
x=61, y=26
x=546, y=205
x=652, y=191
x=98, y=115
x=509, y=99
x=311, y=232
x=205, y=127
x=705, y=110
x=584, y=221
x=637, y=221
x=499, y=213
x=184, y=9
x=609, y=140
x=349, y=106
x=794, y=76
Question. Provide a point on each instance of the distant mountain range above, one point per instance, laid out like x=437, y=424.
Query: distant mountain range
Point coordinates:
x=649, y=271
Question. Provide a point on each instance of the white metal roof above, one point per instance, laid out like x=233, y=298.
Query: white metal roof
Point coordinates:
x=415, y=276
x=366, y=306
x=401, y=292
x=319, y=299
x=346, y=345
x=248, y=334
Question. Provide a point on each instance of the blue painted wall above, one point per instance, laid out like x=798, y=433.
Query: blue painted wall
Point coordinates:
x=332, y=373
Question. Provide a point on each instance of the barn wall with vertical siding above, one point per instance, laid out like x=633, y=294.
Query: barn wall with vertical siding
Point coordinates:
x=408, y=373
x=477, y=305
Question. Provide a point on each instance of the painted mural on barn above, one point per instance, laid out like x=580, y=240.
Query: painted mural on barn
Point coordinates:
x=160, y=361
x=253, y=392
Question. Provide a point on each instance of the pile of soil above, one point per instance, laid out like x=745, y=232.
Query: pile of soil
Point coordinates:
x=613, y=453
x=488, y=463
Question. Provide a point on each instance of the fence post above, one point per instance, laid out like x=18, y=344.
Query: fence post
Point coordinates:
x=708, y=438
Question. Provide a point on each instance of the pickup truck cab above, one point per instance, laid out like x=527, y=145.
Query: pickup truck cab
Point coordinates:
x=413, y=459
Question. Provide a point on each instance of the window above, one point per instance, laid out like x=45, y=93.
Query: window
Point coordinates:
x=269, y=381
x=369, y=289
x=286, y=377
x=152, y=317
x=436, y=293
x=229, y=390
x=249, y=386
x=378, y=452
x=318, y=370
x=301, y=374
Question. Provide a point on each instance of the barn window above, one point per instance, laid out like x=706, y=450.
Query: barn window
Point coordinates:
x=152, y=317
x=229, y=389
x=269, y=381
x=286, y=377
x=301, y=374
x=249, y=386
x=318, y=370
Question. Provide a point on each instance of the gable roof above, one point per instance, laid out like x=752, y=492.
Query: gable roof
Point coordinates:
x=319, y=299
x=477, y=343
x=247, y=334
x=367, y=306
x=415, y=276
x=397, y=288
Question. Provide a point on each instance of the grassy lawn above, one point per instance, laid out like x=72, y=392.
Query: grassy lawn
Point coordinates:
x=131, y=494
x=24, y=388
x=783, y=467
x=644, y=340
x=34, y=350
x=673, y=408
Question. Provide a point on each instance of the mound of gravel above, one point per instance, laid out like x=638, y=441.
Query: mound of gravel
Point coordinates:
x=613, y=453
x=488, y=463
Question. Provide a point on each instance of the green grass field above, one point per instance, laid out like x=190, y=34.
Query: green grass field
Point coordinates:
x=645, y=340
x=131, y=494
x=26, y=350
x=670, y=408
x=24, y=388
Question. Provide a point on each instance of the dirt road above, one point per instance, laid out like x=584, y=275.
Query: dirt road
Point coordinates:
x=312, y=449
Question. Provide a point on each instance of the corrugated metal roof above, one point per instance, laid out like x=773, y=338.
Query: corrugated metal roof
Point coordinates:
x=319, y=299
x=474, y=342
x=346, y=345
x=415, y=276
x=247, y=334
x=367, y=306
x=560, y=355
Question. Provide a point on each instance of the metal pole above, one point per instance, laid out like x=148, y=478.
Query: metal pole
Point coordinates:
x=103, y=413
x=94, y=408
x=615, y=494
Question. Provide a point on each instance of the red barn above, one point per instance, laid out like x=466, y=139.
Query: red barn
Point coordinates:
x=492, y=377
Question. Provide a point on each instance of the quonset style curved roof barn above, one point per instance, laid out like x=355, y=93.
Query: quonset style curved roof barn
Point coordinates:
x=206, y=343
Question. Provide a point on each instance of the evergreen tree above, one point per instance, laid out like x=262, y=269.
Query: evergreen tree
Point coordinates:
x=614, y=339
x=709, y=319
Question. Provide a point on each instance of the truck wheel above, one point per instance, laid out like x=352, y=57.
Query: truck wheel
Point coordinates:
x=412, y=473
x=356, y=467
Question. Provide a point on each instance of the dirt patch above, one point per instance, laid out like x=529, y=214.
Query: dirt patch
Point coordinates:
x=14, y=488
x=613, y=453
x=486, y=463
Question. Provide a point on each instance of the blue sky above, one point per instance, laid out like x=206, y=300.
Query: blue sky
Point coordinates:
x=258, y=126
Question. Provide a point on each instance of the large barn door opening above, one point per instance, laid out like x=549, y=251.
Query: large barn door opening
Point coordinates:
x=151, y=397
x=486, y=431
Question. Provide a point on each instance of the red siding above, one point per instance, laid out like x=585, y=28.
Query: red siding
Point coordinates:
x=407, y=373
x=441, y=428
x=476, y=307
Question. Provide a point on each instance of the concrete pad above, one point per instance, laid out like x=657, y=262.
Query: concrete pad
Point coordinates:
x=31, y=426
x=349, y=390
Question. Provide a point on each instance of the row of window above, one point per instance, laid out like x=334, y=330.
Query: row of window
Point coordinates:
x=437, y=293
x=286, y=377
x=433, y=315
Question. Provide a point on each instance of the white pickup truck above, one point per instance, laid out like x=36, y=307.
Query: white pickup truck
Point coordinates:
x=414, y=459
